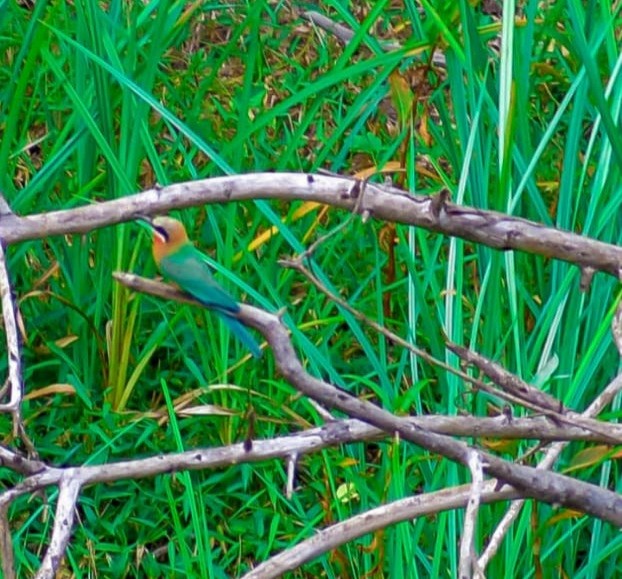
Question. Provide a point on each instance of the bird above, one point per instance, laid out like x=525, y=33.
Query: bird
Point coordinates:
x=181, y=262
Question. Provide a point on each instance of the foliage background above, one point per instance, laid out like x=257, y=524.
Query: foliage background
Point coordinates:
x=101, y=100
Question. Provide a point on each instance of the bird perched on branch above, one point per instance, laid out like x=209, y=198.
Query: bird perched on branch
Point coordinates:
x=179, y=261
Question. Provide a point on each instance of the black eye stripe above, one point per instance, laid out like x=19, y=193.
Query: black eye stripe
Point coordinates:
x=162, y=232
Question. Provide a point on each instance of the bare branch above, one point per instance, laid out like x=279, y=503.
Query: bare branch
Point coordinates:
x=69, y=488
x=9, y=314
x=345, y=34
x=513, y=389
x=6, y=544
x=547, y=462
x=488, y=228
x=507, y=380
x=372, y=520
x=468, y=562
x=5, y=209
x=530, y=396
x=292, y=460
x=20, y=463
x=546, y=486
x=16, y=387
x=342, y=33
x=334, y=433
x=616, y=328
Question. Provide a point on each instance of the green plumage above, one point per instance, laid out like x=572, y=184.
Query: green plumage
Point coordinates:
x=188, y=269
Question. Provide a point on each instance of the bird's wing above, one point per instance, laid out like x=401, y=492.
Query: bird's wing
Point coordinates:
x=187, y=268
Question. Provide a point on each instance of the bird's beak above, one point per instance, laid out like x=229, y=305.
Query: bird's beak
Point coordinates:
x=145, y=222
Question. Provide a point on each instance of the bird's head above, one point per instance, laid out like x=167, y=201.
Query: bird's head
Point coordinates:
x=168, y=234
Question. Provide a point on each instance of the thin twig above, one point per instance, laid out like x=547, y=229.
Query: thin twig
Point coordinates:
x=345, y=35
x=292, y=460
x=530, y=396
x=516, y=394
x=508, y=381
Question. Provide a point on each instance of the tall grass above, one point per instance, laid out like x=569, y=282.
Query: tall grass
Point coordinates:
x=98, y=102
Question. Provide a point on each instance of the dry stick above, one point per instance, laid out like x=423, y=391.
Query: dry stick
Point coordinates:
x=5, y=209
x=372, y=520
x=14, y=382
x=345, y=35
x=599, y=403
x=6, y=544
x=537, y=428
x=549, y=487
x=292, y=459
x=522, y=394
x=468, y=562
x=14, y=363
x=435, y=213
x=69, y=489
x=342, y=33
x=534, y=397
x=12, y=338
x=311, y=440
x=9, y=315
x=38, y=475
x=616, y=328
x=555, y=450
x=508, y=381
x=19, y=463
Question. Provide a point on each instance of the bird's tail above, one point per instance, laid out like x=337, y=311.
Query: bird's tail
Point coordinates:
x=242, y=334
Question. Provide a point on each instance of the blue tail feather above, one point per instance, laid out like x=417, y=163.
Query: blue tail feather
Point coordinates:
x=242, y=334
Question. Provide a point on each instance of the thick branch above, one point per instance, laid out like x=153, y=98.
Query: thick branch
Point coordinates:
x=573, y=427
x=372, y=520
x=331, y=434
x=488, y=228
x=546, y=486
